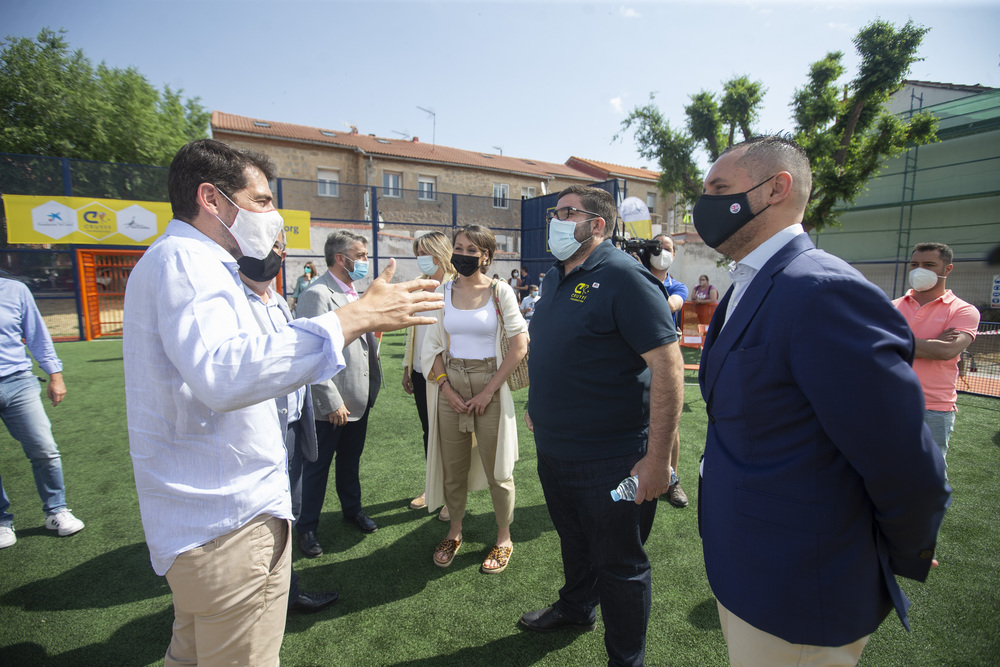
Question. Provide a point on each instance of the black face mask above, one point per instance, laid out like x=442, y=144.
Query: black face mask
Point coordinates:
x=465, y=264
x=717, y=217
x=260, y=270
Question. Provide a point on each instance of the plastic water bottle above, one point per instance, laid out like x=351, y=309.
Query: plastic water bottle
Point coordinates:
x=627, y=489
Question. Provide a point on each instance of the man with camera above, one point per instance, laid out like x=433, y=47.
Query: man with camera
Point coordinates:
x=605, y=331
x=677, y=293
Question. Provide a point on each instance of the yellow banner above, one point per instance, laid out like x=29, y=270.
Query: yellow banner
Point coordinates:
x=88, y=221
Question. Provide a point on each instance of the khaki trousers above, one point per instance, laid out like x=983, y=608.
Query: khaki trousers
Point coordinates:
x=468, y=377
x=750, y=647
x=231, y=597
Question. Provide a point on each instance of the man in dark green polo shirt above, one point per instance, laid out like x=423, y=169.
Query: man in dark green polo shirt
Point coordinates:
x=605, y=398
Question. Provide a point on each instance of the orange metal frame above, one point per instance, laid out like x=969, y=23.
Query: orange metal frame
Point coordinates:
x=102, y=278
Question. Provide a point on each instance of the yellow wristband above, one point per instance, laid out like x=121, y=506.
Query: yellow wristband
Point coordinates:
x=438, y=378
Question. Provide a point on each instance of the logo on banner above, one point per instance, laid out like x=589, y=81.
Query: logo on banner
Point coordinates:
x=97, y=221
x=136, y=223
x=53, y=219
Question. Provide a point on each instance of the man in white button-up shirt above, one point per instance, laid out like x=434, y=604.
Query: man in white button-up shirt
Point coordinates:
x=204, y=432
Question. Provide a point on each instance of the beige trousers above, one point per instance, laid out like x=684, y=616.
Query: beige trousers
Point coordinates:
x=750, y=647
x=468, y=377
x=231, y=597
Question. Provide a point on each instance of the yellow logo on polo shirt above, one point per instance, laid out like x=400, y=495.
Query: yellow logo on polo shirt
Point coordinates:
x=580, y=292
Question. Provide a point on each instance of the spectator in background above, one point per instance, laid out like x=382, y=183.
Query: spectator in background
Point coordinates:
x=516, y=284
x=528, y=304
x=705, y=298
x=302, y=282
x=943, y=326
x=433, y=252
x=527, y=282
x=21, y=407
x=677, y=292
x=469, y=395
x=705, y=293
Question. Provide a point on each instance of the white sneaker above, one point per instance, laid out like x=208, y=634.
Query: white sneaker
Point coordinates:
x=7, y=537
x=63, y=521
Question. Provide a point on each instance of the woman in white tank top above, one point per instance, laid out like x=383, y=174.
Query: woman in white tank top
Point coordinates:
x=467, y=394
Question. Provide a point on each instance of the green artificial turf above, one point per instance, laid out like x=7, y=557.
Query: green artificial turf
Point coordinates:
x=93, y=599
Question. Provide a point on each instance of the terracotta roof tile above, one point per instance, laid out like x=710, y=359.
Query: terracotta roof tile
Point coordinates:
x=614, y=169
x=397, y=148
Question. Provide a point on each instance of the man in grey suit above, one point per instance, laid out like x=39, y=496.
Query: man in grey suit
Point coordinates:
x=341, y=404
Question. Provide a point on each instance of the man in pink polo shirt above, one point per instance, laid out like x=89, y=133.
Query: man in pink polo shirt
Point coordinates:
x=943, y=326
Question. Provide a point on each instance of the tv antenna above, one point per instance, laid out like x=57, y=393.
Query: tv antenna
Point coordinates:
x=405, y=135
x=433, y=127
x=499, y=148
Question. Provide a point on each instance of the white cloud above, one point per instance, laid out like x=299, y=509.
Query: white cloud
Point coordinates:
x=616, y=104
x=628, y=13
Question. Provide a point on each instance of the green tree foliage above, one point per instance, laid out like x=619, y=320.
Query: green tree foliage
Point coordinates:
x=846, y=131
x=53, y=102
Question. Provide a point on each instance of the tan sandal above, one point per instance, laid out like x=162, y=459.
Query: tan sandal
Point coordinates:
x=501, y=555
x=444, y=515
x=448, y=547
x=418, y=503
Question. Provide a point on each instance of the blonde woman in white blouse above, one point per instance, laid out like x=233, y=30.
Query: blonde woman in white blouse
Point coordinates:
x=433, y=253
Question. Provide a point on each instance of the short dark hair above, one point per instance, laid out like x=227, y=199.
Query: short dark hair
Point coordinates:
x=944, y=251
x=765, y=155
x=596, y=201
x=483, y=238
x=210, y=161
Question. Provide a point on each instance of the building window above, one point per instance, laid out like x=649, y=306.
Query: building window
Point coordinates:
x=527, y=193
x=501, y=191
x=651, y=201
x=426, y=187
x=328, y=183
x=392, y=184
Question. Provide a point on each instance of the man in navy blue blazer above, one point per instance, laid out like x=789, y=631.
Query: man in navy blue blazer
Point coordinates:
x=819, y=480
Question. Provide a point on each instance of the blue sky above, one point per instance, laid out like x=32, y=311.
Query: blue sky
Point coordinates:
x=543, y=80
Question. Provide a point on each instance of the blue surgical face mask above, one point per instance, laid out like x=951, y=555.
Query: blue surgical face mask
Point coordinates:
x=562, y=238
x=360, y=269
x=426, y=265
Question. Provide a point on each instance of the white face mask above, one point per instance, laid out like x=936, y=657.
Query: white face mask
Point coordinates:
x=254, y=232
x=662, y=261
x=922, y=280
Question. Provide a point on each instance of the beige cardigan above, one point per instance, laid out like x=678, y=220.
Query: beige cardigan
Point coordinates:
x=436, y=342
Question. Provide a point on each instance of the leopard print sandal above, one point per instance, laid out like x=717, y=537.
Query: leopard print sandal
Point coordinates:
x=501, y=555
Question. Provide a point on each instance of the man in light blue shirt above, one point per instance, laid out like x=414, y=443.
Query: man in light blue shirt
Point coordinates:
x=295, y=411
x=21, y=407
x=200, y=382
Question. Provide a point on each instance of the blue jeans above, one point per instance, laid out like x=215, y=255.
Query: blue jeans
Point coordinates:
x=22, y=412
x=603, y=559
x=941, y=425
